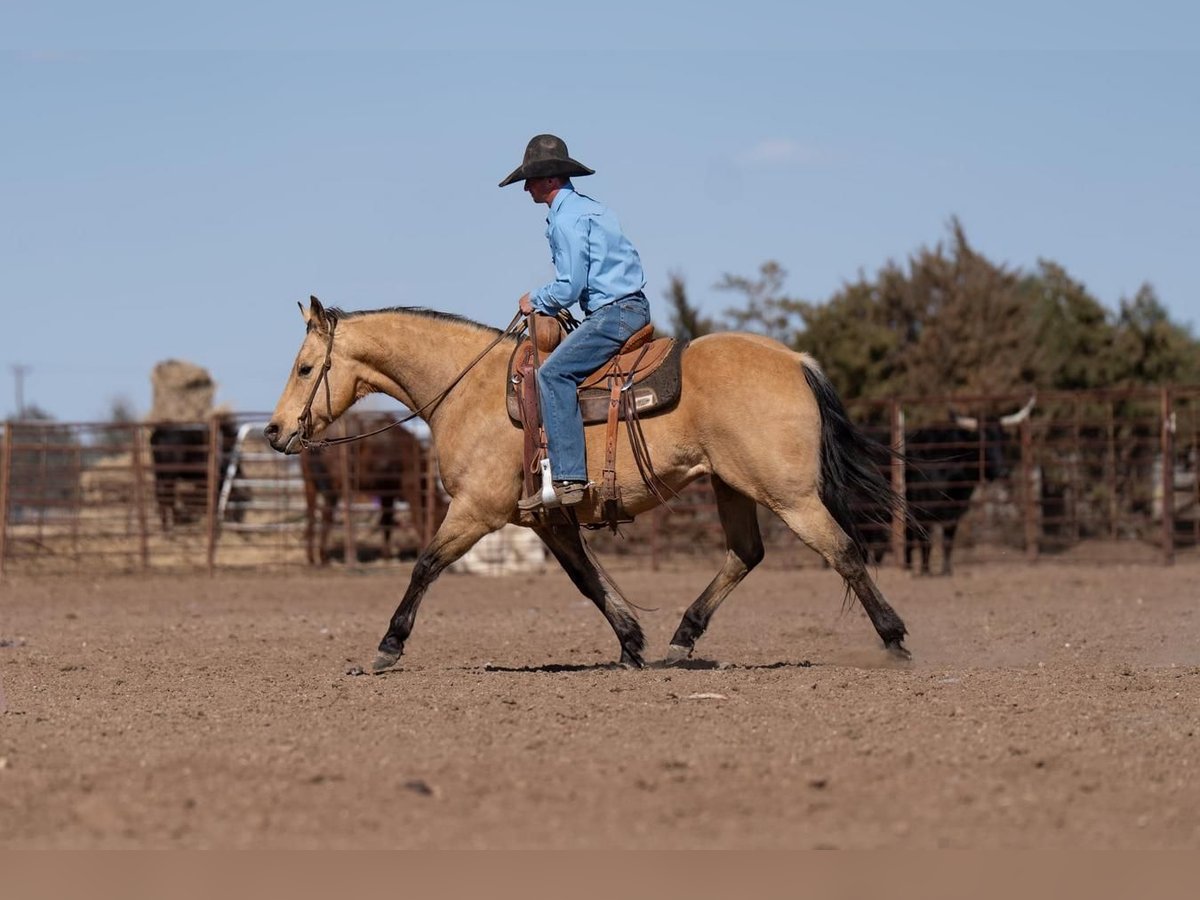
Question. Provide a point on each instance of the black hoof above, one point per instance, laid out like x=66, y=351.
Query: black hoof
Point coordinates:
x=898, y=650
x=390, y=651
x=632, y=660
x=676, y=654
x=384, y=661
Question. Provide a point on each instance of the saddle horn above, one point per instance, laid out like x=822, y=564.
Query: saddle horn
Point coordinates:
x=547, y=332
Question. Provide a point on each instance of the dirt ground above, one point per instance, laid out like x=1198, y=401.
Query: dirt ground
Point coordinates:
x=1046, y=706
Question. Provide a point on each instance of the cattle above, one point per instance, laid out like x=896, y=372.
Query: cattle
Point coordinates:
x=386, y=466
x=180, y=455
x=944, y=463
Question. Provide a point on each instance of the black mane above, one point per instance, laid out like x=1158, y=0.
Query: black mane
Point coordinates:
x=339, y=313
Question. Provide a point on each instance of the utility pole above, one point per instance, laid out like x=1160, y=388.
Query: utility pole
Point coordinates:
x=19, y=372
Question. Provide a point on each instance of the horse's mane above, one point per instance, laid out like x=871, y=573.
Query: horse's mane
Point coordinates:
x=422, y=311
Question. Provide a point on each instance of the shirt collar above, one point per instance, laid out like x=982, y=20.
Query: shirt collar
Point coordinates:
x=559, y=198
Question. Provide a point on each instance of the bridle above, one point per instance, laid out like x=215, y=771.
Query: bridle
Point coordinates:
x=304, y=421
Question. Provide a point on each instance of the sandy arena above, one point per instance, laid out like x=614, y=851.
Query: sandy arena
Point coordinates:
x=1046, y=706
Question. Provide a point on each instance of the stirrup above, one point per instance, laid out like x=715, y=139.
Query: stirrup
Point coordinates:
x=546, y=497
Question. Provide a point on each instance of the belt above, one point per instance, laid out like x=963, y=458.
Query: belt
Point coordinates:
x=636, y=295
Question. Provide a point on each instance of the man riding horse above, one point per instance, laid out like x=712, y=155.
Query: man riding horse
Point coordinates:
x=596, y=266
x=761, y=421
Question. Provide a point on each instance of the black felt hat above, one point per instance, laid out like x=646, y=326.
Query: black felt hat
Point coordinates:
x=546, y=155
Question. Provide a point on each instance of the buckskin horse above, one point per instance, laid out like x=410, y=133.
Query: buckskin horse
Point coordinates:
x=761, y=420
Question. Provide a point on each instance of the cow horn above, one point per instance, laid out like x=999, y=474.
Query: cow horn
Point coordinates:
x=970, y=423
x=1020, y=415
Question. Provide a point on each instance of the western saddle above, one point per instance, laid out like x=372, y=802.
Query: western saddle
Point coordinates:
x=644, y=377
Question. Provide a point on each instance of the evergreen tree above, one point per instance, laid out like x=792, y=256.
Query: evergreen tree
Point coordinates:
x=686, y=321
x=952, y=321
x=765, y=308
x=1074, y=333
x=1149, y=347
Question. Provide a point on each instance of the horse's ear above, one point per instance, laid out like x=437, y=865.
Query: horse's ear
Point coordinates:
x=314, y=316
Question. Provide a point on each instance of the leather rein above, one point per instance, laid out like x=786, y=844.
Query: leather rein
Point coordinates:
x=304, y=421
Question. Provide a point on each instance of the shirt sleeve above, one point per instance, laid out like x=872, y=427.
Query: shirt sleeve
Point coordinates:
x=569, y=249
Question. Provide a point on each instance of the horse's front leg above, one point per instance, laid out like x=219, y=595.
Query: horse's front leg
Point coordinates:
x=566, y=543
x=459, y=531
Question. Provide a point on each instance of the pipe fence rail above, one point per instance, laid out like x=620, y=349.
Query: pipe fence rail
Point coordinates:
x=163, y=496
x=1082, y=478
x=1098, y=477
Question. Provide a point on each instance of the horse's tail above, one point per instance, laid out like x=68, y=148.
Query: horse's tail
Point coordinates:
x=853, y=486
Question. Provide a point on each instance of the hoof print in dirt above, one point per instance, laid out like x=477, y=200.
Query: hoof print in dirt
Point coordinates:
x=421, y=786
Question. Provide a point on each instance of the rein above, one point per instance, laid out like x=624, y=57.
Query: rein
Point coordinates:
x=304, y=421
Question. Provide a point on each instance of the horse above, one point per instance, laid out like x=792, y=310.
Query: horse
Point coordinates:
x=385, y=466
x=761, y=420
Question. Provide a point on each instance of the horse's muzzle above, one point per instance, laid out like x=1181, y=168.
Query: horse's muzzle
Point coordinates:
x=289, y=445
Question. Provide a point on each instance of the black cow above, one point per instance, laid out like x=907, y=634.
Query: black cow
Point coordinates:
x=944, y=464
x=180, y=454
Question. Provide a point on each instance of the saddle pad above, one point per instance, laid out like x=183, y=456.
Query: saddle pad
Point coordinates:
x=657, y=382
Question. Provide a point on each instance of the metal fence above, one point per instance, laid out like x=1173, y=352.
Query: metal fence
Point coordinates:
x=1099, y=477
x=1092, y=476
x=87, y=497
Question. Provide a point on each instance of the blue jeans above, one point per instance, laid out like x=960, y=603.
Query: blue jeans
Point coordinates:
x=581, y=353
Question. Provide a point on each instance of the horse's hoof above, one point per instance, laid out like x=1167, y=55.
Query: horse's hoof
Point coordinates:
x=677, y=653
x=384, y=661
x=898, y=650
x=631, y=660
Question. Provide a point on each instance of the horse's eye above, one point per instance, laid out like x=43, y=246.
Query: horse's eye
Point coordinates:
x=305, y=370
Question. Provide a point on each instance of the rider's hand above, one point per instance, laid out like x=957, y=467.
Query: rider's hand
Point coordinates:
x=526, y=306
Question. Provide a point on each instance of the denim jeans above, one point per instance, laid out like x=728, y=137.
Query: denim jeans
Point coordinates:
x=581, y=353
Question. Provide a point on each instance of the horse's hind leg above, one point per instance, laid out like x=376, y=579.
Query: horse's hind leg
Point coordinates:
x=459, y=531
x=926, y=552
x=566, y=543
x=739, y=520
x=813, y=524
x=330, y=504
x=387, y=522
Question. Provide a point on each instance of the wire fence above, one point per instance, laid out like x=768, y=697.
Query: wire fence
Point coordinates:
x=1098, y=477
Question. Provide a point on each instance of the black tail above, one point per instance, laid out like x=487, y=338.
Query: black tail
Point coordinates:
x=853, y=486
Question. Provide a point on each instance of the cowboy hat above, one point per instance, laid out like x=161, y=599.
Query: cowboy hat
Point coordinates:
x=546, y=155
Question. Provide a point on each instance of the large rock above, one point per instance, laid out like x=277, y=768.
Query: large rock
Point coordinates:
x=512, y=550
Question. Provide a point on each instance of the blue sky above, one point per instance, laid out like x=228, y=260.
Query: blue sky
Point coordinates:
x=174, y=179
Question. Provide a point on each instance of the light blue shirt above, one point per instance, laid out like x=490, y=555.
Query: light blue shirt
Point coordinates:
x=594, y=263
